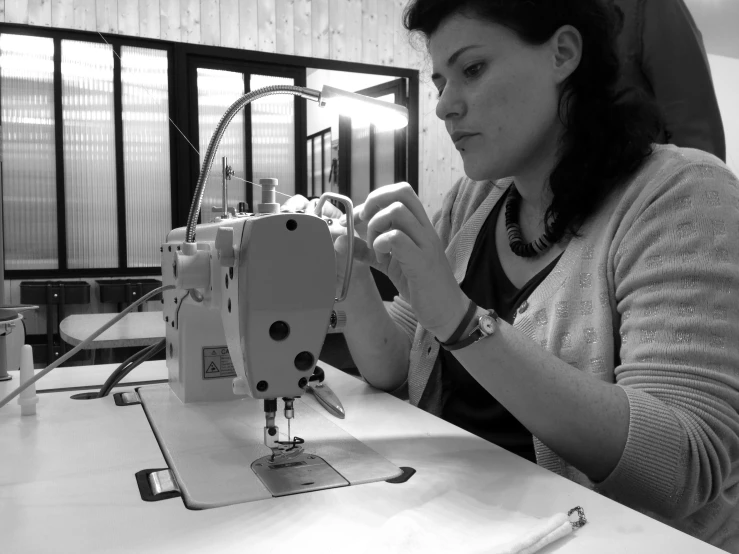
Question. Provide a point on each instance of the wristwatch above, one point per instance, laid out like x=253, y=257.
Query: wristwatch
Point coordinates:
x=486, y=325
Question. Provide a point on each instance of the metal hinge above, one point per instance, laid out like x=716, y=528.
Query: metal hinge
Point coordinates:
x=157, y=484
x=130, y=398
x=163, y=481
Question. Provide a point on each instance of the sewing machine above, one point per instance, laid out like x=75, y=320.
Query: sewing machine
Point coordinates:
x=249, y=303
x=253, y=301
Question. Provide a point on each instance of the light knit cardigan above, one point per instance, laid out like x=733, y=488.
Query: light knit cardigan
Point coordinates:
x=647, y=298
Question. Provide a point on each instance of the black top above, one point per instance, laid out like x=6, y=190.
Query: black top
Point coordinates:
x=465, y=402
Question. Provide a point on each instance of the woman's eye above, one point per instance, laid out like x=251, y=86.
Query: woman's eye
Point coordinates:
x=439, y=93
x=473, y=70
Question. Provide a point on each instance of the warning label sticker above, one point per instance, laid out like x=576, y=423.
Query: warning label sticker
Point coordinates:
x=217, y=363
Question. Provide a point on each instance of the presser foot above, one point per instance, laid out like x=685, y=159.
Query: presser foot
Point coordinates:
x=286, y=450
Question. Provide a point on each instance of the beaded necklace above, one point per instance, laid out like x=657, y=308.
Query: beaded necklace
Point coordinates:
x=515, y=237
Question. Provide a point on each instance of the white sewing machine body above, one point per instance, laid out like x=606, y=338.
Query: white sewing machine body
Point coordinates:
x=246, y=321
x=268, y=284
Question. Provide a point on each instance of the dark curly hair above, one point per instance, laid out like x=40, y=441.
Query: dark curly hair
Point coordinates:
x=608, y=132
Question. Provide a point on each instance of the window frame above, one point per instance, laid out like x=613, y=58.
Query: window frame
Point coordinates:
x=117, y=42
x=402, y=143
x=197, y=60
x=310, y=139
x=184, y=165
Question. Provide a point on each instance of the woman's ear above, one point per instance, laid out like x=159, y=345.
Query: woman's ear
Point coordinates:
x=566, y=48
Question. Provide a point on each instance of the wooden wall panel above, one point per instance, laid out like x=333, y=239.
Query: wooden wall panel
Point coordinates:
x=303, y=44
x=229, y=16
x=106, y=16
x=128, y=17
x=39, y=12
x=169, y=20
x=189, y=20
x=385, y=39
x=266, y=26
x=85, y=18
x=210, y=23
x=428, y=188
x=248, y=25
x=400, y=42
x=369, y=31
x=62, y=13
x=353, y=31
x=285, y=27
x=320, y=29
x=337, y=20
x=149, y=19
x=16, y=11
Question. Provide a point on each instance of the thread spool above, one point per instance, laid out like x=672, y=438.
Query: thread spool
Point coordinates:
x=269, y=203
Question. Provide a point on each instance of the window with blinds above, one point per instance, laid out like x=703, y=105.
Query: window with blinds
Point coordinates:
x=29, y=181
x=259, y=142
x=146, y=153
x=97, y=195
x=273, y=135
x=319, y=163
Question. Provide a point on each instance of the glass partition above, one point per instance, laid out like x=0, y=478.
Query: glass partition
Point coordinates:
x=29, y=189
x=146, y=158
x=90, y=196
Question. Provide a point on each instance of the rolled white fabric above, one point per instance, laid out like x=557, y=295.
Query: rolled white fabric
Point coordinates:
x=554, y=528
x=451, y=521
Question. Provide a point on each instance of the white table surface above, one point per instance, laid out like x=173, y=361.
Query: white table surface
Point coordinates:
x=67, y=485
x=135, y=329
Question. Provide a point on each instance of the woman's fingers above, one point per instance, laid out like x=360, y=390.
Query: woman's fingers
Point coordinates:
x=397, y=245
x=381, y=198
x=362, y=254
x=295, y=204
x=396, y=217
x=360, y=227
x=328, y=209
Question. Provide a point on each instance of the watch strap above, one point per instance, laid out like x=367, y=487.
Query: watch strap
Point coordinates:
x=473, y=337
x=457, y=334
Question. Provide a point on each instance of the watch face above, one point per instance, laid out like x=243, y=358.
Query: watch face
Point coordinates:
x=487, y=324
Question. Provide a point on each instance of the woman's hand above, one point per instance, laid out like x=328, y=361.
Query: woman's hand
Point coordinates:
x=299, y=203
x=402, y=243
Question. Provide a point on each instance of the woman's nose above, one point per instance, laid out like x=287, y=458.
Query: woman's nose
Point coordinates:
x=449, y=104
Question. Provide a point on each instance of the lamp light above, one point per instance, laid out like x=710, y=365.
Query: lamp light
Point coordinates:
x=383, y=115
x=357, y=106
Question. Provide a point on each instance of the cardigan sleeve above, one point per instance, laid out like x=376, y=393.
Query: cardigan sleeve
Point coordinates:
x=676, y=278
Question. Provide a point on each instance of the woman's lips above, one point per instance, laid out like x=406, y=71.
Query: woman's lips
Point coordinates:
x=461, y=142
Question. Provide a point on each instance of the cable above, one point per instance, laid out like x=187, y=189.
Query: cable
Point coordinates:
x=132, y=362
x=80, y=346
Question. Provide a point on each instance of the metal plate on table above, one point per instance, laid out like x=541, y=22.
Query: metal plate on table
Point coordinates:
x=211, y=446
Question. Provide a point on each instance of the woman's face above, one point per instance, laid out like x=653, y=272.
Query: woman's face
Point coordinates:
x=498, y=96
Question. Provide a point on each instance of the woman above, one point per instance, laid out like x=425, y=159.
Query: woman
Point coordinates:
x=611, y=263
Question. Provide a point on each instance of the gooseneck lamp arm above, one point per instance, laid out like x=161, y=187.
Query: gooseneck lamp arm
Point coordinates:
x=390, y=116
x=360, y=106
x=215, y=141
